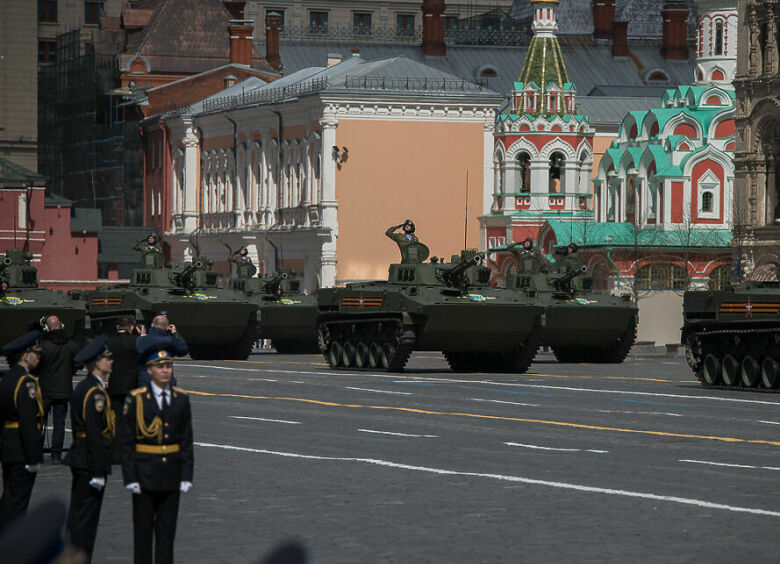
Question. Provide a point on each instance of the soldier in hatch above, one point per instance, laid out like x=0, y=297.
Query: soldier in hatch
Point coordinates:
x=151, y=253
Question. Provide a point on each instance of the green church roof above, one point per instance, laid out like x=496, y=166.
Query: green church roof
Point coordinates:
x=544, y=65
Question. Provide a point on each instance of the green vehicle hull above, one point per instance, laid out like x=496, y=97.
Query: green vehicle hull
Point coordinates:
x=580, y=325
x=216, y=323
x=23, y=303
x=732, y=336
x=430, y=307
x=285, y=316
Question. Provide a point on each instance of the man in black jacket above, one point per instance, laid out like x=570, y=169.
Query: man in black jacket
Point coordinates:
x=21, y=413
x=160, y=328
x=157, y=453
x=56, y=378
x=125, y=371
x=89, y=458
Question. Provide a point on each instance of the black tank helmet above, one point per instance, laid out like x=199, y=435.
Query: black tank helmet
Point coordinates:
x=410, y=223
x=573, y=248
x=528, y=243
x=153, y=237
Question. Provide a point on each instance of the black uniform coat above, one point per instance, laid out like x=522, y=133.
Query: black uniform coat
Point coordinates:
x=172, y=426
x=93, y=428
x=125, y=370
x=21, y=407
x=57, y=366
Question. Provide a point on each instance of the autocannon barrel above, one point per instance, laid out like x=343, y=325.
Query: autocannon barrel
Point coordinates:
x=454, y=275
x=563, y=282
x=272, y=286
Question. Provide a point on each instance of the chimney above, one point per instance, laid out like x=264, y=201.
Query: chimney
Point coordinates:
x=620, y=39
x=675, y=40
x=272, y=22
x=240, y=32
x=433, y=28
x=333, y=59
x=603, y=16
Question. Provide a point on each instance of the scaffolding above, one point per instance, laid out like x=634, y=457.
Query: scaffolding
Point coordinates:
x=89, y=144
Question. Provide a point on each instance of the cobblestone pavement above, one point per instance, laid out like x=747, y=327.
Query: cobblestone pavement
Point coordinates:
x=568, y=463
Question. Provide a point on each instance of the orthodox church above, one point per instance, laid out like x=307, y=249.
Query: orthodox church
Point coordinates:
x=659, y=215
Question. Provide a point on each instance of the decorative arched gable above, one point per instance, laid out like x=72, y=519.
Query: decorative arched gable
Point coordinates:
x=558, y=144
x=521, y=145
x=682, y=124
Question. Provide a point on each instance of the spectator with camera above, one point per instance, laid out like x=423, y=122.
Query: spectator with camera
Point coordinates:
x=160, y=328
x=55, y=376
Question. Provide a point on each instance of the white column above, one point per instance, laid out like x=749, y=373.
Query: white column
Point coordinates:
x=488, y=187
x=540, y=184
x=569, y=177
x=191, y=174
x=328, y=201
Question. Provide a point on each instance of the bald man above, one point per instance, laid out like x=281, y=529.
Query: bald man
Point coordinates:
x=161, y=327
x=55, y=372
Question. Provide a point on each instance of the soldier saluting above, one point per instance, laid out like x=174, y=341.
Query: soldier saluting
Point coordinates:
x=243, y=262
x=89, y=458
x=151, y=253
x=21, y=413
x=157, y=458
x=406, y=237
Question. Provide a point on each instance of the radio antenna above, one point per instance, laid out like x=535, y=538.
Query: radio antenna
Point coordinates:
x=466, y=218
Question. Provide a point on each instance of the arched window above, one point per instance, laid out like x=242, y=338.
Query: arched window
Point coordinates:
x=720, y=278
x=488, y=73
x=523, y=172
x=556, y=168
x=661, y=276
x=718, y=47
x=706, y=202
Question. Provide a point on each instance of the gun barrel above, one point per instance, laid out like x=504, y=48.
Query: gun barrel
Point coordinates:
x=566, y=279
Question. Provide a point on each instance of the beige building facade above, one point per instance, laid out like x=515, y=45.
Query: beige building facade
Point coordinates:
x=308, y=171
x=28, y=40
x=757, y=157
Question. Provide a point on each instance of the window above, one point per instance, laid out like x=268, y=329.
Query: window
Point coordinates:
x=718, y=39
x=661, y=276
x=523, y=173
x=706, y=202
x=92, y=12
x=47, y=10
x=404, y=25
x=556, y=166
x=318, y=22
x=361, y=23
x=47, y=51
x=451, y=23
x=491, y=242
x=720, y=279
x=488, y=73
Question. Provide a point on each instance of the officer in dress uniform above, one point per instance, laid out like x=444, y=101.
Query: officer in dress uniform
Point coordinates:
x=157, y=458
x=92, y=420
x=21, y=413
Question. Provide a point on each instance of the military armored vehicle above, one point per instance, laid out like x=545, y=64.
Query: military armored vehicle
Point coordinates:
x=429, y=306
x=285, y=315
x=216, y=323
x=23, y=303
x=580, y=325
x=732, y=336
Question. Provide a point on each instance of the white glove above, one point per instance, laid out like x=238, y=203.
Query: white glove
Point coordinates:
x=32, y=468
x=184, y=487
x=133, y=488
x=98, y=483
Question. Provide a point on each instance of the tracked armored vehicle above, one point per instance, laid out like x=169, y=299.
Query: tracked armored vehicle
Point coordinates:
x=580, y=325
x=23, y=303
x=216, y=323
x=285, y=315
x=429, y=306
x=732, y=336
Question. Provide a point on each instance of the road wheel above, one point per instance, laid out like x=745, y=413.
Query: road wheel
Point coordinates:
x=348, y=356
x=374, y=355
x=361, y=355
x=730, y=371
x=751, y=372
x=711, y=371
x=770, y=372
x=388, y=352
x=335, y=354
